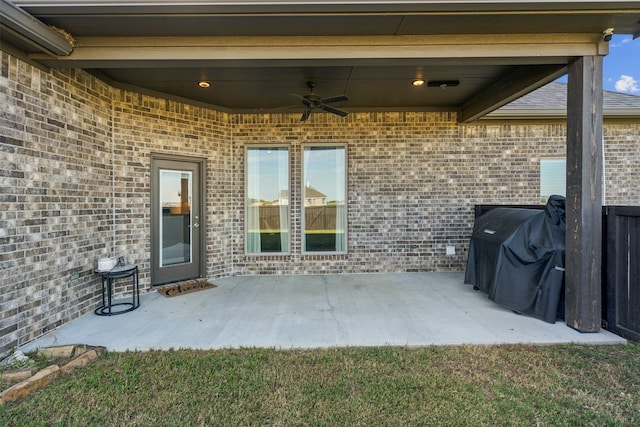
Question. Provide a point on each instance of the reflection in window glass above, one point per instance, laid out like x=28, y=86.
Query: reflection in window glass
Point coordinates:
x=553, y=178
x=267, y=200
x=324, y=195
x=175, y=222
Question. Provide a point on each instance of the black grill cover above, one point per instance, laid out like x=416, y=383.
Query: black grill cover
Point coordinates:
x=516, y=256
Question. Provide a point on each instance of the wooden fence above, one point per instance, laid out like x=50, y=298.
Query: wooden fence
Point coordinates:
x=621, y=271
x=269, y=217
x=317, y=218
x=620, y=267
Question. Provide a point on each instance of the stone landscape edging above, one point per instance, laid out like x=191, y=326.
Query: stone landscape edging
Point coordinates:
x=81, y=355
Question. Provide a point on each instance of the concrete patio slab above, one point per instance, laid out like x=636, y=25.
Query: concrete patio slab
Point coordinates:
x=315, y=311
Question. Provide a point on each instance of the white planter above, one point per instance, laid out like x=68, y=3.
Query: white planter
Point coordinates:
x=106, y=263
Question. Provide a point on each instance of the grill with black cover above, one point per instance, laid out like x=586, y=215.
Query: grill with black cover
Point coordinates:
x=517, y=255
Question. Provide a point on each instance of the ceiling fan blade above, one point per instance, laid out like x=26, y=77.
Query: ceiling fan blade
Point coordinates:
x=305, y=114
x=311, y=101
x=334, y=110
x=340, y=98
x=281, y=107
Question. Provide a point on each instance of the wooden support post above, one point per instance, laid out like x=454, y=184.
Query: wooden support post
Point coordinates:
x=584, y=195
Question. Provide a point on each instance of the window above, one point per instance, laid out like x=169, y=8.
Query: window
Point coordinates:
x=553, y=178
x=267, y=200
x=324, y=211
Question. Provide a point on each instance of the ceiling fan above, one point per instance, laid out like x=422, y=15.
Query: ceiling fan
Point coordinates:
x=311, y=102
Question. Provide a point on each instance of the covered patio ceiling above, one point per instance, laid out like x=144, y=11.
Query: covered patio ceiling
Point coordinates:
x=257, y=54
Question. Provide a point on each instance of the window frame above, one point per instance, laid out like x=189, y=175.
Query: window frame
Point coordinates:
x=264, y=146
x=303, y=239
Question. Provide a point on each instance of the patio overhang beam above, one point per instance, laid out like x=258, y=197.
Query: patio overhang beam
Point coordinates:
x=321, y=6
x=18, y=25
x=518, y=83
x=94, y=52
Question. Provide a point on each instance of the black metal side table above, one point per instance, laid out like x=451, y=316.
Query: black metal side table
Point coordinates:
x=108, y=278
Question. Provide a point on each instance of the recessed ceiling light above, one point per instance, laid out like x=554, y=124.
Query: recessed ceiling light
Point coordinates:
x=204, y=84
x=417, y=82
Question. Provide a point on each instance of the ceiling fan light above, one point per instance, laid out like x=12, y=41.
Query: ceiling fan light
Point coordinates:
x=203, y=84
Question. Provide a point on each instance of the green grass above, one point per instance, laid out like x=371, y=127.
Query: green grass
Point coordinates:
x=440, y=386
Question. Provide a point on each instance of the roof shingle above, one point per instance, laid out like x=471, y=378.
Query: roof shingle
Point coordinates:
x=552, y=98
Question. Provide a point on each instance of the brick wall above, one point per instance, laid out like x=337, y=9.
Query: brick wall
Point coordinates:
x=56, y=197
x=414, y=179
x=622, y=163
x=75, y=182
x=144, y=125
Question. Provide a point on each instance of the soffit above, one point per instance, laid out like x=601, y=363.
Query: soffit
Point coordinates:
x=256, y=54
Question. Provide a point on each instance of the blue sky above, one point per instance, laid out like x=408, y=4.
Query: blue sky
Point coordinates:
x=622, y=65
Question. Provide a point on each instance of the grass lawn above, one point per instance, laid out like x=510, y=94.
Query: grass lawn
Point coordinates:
x=442, y=386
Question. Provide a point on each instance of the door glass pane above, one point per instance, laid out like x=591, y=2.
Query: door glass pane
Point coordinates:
x=175, y=221
x=324, y=199
x=267, y=203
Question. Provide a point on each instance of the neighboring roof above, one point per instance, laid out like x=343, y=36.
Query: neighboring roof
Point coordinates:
x=551, y=100
x=312, y=193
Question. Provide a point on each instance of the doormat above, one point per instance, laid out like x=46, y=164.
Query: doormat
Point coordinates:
x=185, y=288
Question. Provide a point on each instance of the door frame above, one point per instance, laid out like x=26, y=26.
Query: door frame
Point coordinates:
x=201, y=164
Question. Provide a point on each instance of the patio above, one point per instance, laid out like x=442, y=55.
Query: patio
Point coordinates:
x=314, y=311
